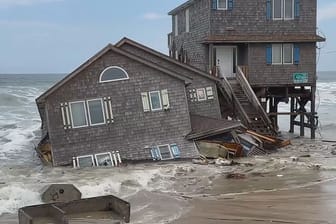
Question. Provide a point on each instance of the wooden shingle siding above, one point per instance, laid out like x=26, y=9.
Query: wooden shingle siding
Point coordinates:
x=264, y=74
x=132, y=129
x=208, y=108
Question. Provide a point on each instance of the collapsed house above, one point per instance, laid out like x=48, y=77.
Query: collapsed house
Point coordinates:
x=225, y=73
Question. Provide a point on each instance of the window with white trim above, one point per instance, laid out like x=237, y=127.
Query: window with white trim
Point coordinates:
x=96, y=112
x=283, y=9
x=155, y=100
x=222, y=4
x=176, y=25
x=113, y=73
x=282, y=54
x=78, y=114
x=87, y=113
x=165, y=152
x=201, y=94
x=187, y=17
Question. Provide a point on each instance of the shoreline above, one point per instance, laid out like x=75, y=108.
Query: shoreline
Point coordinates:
x=312, y=204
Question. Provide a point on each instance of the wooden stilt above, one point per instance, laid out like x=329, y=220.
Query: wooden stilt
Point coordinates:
x=312, y=118
x=292, y=117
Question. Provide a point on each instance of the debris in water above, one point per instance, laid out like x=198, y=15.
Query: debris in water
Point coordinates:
x=236, y=176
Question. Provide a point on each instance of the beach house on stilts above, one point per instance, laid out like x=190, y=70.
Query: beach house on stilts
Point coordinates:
x=264, y=51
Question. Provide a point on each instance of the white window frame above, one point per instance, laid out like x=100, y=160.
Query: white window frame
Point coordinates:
x=187, y=17
x=101, y=154
x=86, y=156
x=176, y=25
x=277, y=63
x=292, y=54
x=282, y=54
x=227, y=2
x=204, y=92
x=114, y=80
x=103, y=110
x=283, y=10
x=85, y=111
x=150, y=100
x=171, y=153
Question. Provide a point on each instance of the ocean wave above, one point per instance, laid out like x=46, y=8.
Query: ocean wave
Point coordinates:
x=14, y=197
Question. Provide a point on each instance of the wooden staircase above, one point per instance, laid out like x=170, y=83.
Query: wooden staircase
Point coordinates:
x=245, y=103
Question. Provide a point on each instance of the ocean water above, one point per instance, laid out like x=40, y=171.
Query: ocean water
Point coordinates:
x=22, y=176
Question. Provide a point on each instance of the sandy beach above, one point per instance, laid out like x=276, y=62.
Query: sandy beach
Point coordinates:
x=313, y=204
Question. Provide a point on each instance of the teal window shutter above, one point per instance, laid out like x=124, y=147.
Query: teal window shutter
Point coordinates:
x=269, y=54
x=175, y=151
x=296, y=54
x=214, y=4
x=230, y=4
x=297, y=8
x=269, y=9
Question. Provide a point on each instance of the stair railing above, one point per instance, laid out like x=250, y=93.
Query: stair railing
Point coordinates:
x=229, y=93
x=253, y=99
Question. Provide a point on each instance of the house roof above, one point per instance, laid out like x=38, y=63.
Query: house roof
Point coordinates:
x=263, y=38
x=109, y=47
x=203, y=127
x=181, y=7
x=126, y=40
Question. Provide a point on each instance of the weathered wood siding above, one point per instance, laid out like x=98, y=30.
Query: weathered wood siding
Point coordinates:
x=133, y=130
x=249, y=18
x=262, y=74
x=208, y=108
x=198, y=54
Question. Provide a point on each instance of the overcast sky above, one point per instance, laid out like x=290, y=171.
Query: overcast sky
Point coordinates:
x=56, y=36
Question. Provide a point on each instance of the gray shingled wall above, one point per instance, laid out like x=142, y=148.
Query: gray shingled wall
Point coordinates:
x=261, y=74
x=132, y=130
x=249, y=17
x=209, y=108
x=199, y=29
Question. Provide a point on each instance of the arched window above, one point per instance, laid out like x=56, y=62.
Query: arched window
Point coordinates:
x=113, y=73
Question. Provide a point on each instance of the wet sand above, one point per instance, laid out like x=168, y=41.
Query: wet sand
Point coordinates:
x=315, y=204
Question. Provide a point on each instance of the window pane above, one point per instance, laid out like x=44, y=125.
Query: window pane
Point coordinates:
x=288, y=53
x=222, y=4
x=201, y=94
x=85, y=161
x=277, y=7
x=112, y=74
x=288, y=9
x=276, y=54
x=104, y=160
x=165, y=152
x=78, y=114
x=155, y=100
x=96, y=112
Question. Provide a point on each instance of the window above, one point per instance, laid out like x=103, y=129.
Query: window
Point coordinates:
x=287, y=53
x=282, y=53
x=155, y=100
x=78, y=114
x=104, y=159
x=222, y=4
x=176, y=25
x=96, y=112
x=276, y=54
x=85, y=161
x=113, y=73
x=187, y=16
x=283, y=9
x=165, y=152
x=201, y=95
